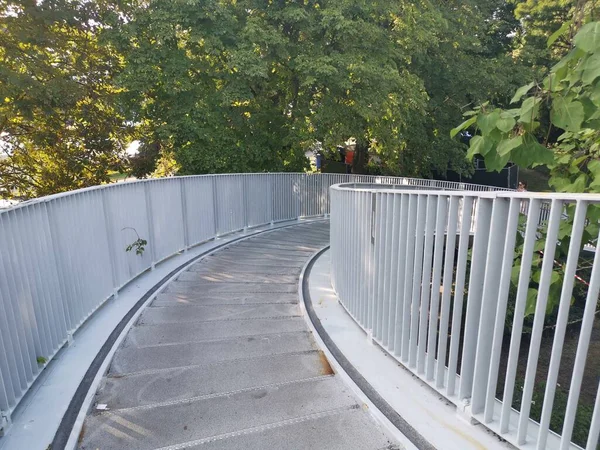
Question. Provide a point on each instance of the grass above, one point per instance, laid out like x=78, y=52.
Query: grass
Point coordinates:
x=115, y=176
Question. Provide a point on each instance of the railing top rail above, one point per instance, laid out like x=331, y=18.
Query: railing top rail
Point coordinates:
x=51, y=197
x=410, y=182
x=402, y=189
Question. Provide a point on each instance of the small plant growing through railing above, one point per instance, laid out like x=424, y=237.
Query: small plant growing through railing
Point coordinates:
x=139, y=244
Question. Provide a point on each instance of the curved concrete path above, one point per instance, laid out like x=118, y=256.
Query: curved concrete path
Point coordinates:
x=222, y=359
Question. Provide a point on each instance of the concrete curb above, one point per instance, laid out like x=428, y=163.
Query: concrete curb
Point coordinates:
x=365, y=387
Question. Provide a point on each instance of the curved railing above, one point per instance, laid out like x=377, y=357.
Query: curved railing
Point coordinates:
x=63, y=256
x=429, y=274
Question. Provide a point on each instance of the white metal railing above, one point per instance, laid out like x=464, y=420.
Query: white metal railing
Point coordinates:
x=428, y=275
x=63, y=256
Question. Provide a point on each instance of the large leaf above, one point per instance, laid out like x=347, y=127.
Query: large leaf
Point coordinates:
x=558, y=33
x=505, y=123
x=579, y=184
x=594, y=167
x=514, y=274
x=496, y=161
x=466, y=124
x=588, y=38
x=567, y=114
x=529, y=110
x=591, y=69
x=531, y=153
x=479, y=146
x=508, y=145
x=487, y=122
x=522, y=91
x=531, y=301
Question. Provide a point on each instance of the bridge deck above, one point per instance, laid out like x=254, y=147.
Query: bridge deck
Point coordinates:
x=222, y=359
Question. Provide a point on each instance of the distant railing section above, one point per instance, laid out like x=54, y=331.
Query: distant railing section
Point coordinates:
x=433, y=289
x=63, y=256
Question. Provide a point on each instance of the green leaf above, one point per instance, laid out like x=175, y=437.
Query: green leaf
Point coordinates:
x=594, y=167
x=588, y=37
x=539, y=246
x=554, y=293
x=514, y=274
x=563, y=63
x=591, y=69
x=495, y=161
x=531, y=301
x=595, y=185
x=487, y=122
x=505, y=123
x=462, y=126
x=558, y=33
x=522, y=91
x=566, y=114
x=479, y=146
x=508, y=145
x=579, y=184
x=529, y=110
x=531, y=153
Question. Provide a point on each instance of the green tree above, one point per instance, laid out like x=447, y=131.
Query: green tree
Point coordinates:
x=470, y=62
x=540, y=19
x=248, y=85
x=59, y=126
x=570, y=95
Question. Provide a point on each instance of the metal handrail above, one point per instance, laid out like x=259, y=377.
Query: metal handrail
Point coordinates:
x=428, y=274
x=62, y=256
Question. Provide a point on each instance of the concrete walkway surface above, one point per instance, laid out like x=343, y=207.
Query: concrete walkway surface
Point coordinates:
x=223, y=359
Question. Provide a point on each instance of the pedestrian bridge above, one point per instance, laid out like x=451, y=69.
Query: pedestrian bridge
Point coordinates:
x=239, y=320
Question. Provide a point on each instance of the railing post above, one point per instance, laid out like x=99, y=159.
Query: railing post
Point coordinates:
x=215, y=206
x=489, y=301
x=476, y=280
x=110, y=237
x=149, y=217
x=271, y=198
x=245, y=199
x=186, y=239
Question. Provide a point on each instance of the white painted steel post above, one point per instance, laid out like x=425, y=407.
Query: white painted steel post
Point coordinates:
x=150, y=221
x=502, y=301
x=520, y=304
x=489, y=302
x=538, y=321
x=561, y=322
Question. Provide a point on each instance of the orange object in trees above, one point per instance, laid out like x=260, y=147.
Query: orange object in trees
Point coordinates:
x=349, y=156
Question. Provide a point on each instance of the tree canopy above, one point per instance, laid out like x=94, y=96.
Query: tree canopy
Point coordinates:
x=60, y=125
x=249, y=85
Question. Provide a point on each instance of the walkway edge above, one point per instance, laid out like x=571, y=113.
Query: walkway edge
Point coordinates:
x=342, y=364
x=67, y=434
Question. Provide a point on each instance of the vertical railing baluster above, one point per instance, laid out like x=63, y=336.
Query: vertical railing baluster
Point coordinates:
x=476, y=280
x=520, y=304
x=539, y=316
x=561, y=321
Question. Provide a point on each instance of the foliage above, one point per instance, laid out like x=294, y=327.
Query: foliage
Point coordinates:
x=583, y=416
x=570, y=95
x=469, y=62
x=248, y=85
x=540, y=20
x=60, y=128
x=139, y=244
